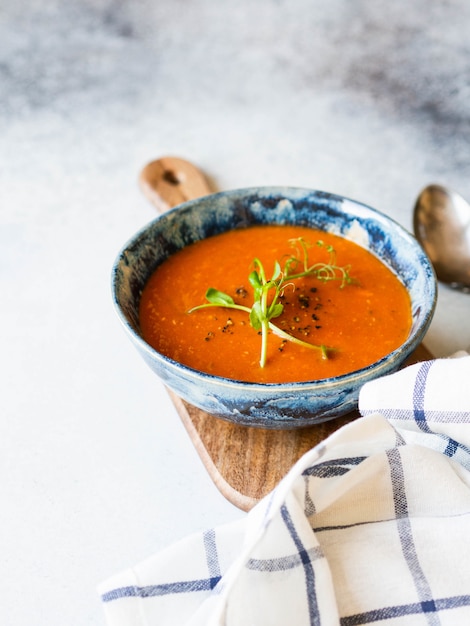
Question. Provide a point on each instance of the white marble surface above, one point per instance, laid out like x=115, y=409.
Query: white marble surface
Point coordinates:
x=366, y=99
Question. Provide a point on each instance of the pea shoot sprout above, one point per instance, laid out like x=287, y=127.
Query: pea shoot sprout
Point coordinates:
x=267, y=292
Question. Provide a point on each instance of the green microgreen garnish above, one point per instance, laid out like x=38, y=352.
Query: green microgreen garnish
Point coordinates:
x=266, y=292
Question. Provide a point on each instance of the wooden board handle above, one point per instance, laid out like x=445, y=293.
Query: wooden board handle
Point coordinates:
x=169, y=181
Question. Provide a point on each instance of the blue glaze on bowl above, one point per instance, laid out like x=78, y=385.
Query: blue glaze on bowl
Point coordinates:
x=280, y=406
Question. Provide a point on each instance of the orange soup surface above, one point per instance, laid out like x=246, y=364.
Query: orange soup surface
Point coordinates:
x=360, y=322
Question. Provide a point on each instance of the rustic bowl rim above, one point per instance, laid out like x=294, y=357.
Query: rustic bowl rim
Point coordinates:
x=412, y=341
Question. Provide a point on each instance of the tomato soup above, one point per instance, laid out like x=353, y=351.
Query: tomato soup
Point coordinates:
x=359, y=323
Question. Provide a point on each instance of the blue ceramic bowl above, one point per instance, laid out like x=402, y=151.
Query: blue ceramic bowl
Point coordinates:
x=280, y=406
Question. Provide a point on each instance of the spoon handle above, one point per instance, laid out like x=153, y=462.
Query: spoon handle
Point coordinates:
x=169, y=181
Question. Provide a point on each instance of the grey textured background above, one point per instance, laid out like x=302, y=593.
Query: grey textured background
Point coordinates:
x=366, y=99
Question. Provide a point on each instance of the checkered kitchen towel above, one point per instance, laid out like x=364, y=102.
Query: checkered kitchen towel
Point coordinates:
x=372, y=526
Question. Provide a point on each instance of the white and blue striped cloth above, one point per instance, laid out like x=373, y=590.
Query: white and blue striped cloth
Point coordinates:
x=372, y=526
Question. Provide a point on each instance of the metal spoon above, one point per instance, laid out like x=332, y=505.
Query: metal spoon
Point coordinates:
x=441, y=223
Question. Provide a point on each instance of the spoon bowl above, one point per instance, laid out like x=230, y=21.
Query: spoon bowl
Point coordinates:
x=441, y=223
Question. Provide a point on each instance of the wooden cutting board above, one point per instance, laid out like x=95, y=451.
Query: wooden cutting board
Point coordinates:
x=245, y=463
